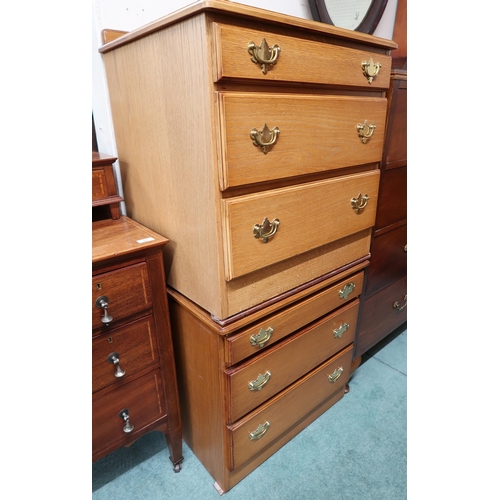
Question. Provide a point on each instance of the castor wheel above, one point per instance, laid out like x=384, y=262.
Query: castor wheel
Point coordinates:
x=346, y=389
x=177, y=467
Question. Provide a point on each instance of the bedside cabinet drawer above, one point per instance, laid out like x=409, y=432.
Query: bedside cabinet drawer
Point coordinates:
x=392, y=198
x=252, y=434
x=316, y=134
x=298, y=60
x=141, y=398
x=128, y=349
x=277, y=367
x=382, y=313
x=126, y=292
x=388, y=262
x=275, y=327
x=300, y=218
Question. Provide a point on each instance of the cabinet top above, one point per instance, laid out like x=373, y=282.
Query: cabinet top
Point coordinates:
x=249, y=13
x=123, y=236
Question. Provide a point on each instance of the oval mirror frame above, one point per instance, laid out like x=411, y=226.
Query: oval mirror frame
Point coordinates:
x=319, y=12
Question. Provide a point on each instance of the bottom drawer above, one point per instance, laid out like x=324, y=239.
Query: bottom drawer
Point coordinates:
x=260, y=428
x=381, y=314
x=142, y=398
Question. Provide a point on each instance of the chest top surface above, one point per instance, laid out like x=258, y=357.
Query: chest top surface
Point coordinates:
x=118, y=237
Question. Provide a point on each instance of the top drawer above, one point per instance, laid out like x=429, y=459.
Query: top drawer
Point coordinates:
x=297, y=60
x=126, y=292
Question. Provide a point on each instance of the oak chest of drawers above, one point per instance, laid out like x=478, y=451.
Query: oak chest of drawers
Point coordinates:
x=383, y=307
x=134, y=385
x=253, y=141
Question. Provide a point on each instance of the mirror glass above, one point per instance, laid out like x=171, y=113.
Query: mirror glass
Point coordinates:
x=347, y=13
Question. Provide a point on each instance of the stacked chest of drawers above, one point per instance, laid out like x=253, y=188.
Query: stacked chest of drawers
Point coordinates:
x=384, y=300
x=253, y=140
x=134, y=388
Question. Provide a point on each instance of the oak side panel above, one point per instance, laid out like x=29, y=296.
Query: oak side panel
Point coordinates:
x=163, y=120
x=199, y=353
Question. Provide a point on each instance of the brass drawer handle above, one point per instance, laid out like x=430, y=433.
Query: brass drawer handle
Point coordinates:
x=128, y=427
x=102, y=302
x=264, y=138
x=365, y=131
x=359, y=202
x=264, y=55
x=260, y=431
x=333, y=377
x=266, y=230
x=340, y=330
x=114, y=359
x=259, y=339
x=370, y=69
x=397, y=305
x=344, y=293
x=260, y=381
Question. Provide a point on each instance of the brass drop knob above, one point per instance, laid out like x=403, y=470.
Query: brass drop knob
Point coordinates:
x=128, y=427
x=102, y=302
x=114, y=359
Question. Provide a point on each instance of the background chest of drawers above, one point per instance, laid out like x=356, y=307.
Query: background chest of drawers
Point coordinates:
x=134, y=385
x=253, y=140
x=384, y=300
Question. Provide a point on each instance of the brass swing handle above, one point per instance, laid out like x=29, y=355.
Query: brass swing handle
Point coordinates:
x=264, y=55
x=266, y=230
x=259, y=339
x=398, y=306
x=260, y=431
x=359, y=202
x=260, y=381
x=370, y=69
x=333, y=377
x=365, y=131
x=264, y=138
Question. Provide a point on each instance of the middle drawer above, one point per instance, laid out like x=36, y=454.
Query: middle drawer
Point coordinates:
x=316, y=133
x=259, y=379
x=268, y=227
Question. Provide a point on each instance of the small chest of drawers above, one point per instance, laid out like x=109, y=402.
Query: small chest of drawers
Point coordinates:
x=134, y=384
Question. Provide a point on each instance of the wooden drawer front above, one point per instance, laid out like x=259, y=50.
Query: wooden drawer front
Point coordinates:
x=281, y=365
x=128, y=292
x=288, y=407
x=316, y=133
x=278, y=326
x=135, y=346
x=388, y=261
x=392, y=198
x=99, y=184
x=379, y=316
x=142, y=398
x=396, y=149
x=310, y=215
x=299, y=60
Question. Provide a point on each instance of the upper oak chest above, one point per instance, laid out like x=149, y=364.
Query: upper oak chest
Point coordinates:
x=252, y=139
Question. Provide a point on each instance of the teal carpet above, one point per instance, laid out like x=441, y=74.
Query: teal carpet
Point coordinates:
x=354, y=451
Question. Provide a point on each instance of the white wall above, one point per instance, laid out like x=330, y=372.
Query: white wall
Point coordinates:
x=127, y=16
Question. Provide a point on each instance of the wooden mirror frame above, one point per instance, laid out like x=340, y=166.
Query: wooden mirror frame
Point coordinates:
x=368, y=24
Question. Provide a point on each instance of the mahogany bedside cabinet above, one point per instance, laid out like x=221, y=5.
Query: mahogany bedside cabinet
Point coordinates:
x=134, y=384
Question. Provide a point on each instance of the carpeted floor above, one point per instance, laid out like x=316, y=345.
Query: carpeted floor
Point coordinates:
x=354, y=451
